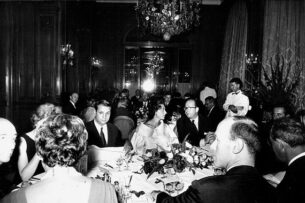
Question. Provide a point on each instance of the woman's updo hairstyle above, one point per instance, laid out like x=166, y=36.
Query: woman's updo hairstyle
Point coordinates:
x=62, y=140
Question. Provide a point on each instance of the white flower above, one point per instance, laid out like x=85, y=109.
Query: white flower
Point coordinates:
x=187, y=144
x=162, y=161
x=148, y=154
x=170, y=155
x=189, y=159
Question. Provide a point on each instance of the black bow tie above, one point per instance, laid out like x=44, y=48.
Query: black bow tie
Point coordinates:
x=235, y=92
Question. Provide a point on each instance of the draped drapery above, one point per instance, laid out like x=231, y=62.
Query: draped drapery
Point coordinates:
x=234, y=50
x=284, y=34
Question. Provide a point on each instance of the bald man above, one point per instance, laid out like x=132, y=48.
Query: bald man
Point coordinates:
x=8, y=136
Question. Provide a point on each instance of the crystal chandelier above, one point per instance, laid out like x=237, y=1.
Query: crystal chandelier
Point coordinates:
x=168, y=17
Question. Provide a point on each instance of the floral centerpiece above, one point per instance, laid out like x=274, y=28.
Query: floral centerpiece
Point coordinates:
x=141, y=113
x=181, y=157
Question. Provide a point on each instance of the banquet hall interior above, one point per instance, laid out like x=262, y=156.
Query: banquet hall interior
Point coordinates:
x=50, y=49
x=233, y=38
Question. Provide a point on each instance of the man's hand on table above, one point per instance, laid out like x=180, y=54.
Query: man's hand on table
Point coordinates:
x=209, y=139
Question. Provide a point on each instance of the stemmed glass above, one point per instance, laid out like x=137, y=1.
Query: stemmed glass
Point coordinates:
x=179, y=186
x=119, y=162
x=127, y=159
x=169, y=187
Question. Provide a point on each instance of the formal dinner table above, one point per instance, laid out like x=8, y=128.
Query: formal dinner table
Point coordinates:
x=129, y=179
x=104, y=160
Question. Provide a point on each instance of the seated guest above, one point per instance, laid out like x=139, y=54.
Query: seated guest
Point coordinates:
x=102, y=133
x=70, y=107
x=214, y=114
x=28, y=161
x=136, y=100
x=266, y=160
x=62, y=141
x=167, y=98
x=192, y=124
x=288, y=142
x=88, y=113
x=154, y=133
x=234, y=149
x=123, y=119
x=8, y=136
x=124, y=94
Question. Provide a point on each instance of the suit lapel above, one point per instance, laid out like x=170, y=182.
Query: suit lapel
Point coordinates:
x=97, y=135
x=109, y=130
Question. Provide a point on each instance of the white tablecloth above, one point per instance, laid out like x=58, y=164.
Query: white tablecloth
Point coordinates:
x=105, y=158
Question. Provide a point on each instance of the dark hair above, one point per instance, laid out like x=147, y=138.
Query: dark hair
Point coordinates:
x=62, y=140
x=154, y=105
x=211, y=99
x=167, y=93
x=247, y=130
x=289, y=131
x=187, y=95
x=102, y=102
x=237, y=81
x=123, y=102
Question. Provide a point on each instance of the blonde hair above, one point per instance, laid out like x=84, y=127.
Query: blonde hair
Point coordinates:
x=43, y=111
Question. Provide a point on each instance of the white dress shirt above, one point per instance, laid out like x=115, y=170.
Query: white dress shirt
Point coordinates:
x=105, y=130
x=237, y=99
x=73, y=104
x=196, y=122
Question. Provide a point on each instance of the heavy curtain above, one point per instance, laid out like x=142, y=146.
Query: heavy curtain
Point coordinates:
x=284, y=34
x=234, y=50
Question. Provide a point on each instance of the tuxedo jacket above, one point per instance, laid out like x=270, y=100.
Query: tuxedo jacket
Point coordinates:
x=241, y=184
x=185, y=126
x=94, y=138
x=68, y=108
x=214, y=117
x=291, y=188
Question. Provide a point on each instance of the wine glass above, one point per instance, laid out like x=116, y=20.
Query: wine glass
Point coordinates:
x=179, y=186
x=127, y=186
x=169, y=188
x=119, y=162
x=127, y=159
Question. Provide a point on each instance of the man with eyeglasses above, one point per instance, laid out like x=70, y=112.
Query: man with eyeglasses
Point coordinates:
x=8, y=136
x=192, y=126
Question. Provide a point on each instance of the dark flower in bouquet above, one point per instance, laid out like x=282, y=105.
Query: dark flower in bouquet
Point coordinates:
x=141, y=112
x=181, y=157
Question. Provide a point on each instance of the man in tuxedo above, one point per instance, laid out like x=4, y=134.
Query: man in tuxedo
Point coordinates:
x=192, y=124
x=287, y=138
x=100, y=132
x=213, y=113
x=234, y=149
x=70, y=107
